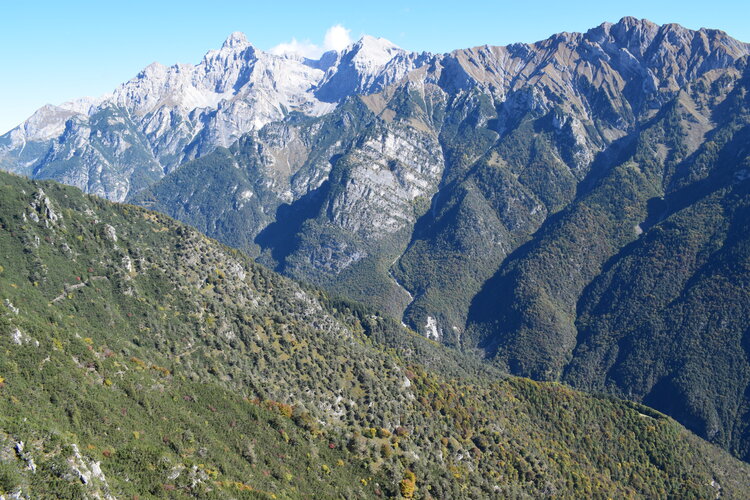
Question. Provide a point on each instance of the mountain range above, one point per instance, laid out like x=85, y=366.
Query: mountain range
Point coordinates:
x=572, y=210
x=120, y=143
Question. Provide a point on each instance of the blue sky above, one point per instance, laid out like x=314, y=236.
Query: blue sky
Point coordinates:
x=53, y=51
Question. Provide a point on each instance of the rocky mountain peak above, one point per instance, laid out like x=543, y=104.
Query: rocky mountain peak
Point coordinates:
x=370, y=53
x=631, y=22
x=375, y=46
x=236, y=40
x=153, y=70
x=366, y=66
x=628, y=32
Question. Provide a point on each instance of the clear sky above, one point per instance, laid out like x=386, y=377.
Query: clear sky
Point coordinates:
x=57, y=50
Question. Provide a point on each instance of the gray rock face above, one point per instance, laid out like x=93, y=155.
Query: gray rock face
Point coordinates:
x=368, y=66
x=388, y=172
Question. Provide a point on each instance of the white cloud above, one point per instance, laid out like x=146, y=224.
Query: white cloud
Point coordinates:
x=305, y=49
x=337, y=37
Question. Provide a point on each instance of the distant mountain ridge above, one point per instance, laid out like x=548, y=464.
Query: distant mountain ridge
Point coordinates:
x=121, y=142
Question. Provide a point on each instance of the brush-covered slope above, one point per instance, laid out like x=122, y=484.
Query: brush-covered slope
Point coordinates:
x=141, y=358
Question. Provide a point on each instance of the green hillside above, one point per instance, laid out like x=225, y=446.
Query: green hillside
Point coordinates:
x=142, y=359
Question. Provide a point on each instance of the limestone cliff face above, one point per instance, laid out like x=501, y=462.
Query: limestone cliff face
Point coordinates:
x=391, y=169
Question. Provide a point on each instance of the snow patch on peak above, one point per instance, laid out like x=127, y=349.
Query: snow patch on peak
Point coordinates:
x=155, y=69
x=377, y=42
x=372, y=53
x=84, y=105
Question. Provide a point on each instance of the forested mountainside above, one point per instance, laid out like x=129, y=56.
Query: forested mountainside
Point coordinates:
x=640, y=287
x=573, y=209
x=142, y=358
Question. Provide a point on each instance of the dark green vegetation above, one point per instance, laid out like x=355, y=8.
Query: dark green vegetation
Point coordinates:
x=573, y=209
x=660, y=317
x=684, y=286
x=141, y=358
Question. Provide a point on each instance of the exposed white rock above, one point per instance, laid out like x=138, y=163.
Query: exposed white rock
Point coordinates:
x=16, y=336
x=25, y=456
x=10, y=306
x=88, y=471
x=127, y=264
x=110, y=233
x=41, y=208
x=431, y=329
x=20, y=338
x=236, y=270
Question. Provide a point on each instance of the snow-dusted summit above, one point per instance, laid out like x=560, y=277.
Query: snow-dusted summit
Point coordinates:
x=168, y=114
x=367, y=66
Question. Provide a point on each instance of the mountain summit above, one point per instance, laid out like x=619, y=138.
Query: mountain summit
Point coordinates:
x=234, y=40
